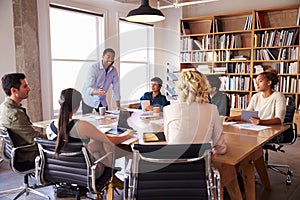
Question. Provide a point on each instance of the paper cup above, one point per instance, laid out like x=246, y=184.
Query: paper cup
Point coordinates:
x=145, y=104
x=102, y=111
x=156, y=110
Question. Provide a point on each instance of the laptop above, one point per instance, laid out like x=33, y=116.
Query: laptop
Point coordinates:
x=122, y=123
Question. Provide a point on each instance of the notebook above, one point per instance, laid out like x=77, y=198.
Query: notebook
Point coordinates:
x=122, y=125
x=154, y=137
x=247, y=114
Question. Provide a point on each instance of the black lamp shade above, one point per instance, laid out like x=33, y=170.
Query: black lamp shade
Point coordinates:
x=145, y=14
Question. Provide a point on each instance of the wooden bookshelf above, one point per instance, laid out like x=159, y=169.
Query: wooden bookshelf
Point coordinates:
x=236, y=45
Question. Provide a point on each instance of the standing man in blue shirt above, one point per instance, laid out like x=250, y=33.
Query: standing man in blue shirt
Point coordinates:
x=155, y=97
x=100, y=76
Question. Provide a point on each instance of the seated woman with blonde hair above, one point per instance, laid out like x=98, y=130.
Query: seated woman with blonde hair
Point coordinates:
x=192, y=119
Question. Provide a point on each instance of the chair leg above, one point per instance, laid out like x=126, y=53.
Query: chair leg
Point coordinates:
x=24, y=190
x=275, y=167
x=288, y=173
x=110, y=192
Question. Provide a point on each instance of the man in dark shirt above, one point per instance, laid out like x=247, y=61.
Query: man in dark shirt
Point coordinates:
x=13, y=116
x=155, y=97
x=218, y=98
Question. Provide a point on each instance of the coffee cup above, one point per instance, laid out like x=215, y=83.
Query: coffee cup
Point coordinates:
x=102, y=111
x=156, y=110
x=145, y=104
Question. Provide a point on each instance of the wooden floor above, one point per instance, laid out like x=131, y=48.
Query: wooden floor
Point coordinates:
x=279, y=191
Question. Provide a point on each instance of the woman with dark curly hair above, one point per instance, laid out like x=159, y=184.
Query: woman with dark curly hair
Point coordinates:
x=270, y=104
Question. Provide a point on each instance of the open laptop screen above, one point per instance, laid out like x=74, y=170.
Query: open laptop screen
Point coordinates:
x=122, y=123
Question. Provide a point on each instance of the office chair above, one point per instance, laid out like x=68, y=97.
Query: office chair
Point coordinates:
x=178, y=171
x=73, y=167
x=287, y=137
x=9, y=153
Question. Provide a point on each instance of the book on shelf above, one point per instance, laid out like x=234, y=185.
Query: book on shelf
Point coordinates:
x=270, y=54
x=260, y=20
x=199, y=44
x=295, y=38
x=238, y=41
x=220, y=69
x=248, y=23
x=218, y=26
x=204, y=69
x=258, y=69
x=298, y=17
x=241, y=57
x=185, y=28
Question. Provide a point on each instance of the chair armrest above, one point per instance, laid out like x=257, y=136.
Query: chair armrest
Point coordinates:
x=105, y=156
x=38, y=168
x=128, y=181
x=217, y=183
x=2, y=144
x=94, y=167
x=20, y=148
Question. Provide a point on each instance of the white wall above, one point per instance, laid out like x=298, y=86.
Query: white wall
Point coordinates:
x=7, y=47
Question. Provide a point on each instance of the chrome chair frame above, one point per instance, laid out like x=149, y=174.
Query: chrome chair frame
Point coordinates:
x=8, y=152
x=132, y=172
x=62, y=164
x=280, y=141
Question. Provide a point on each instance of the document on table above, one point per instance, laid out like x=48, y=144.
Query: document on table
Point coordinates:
x=252, y=127
x=229, y=123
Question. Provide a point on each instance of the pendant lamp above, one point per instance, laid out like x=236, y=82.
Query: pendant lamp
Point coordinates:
x=145, y=14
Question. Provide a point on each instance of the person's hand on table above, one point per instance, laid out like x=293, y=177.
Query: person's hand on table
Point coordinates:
x=149, y=108
x=228, y=119
x=254, y=120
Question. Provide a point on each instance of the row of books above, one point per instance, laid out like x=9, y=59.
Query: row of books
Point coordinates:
x=223, y=55
x=199, y=56
x=287, y=68
x=248, y=23
x=227, y=41
x=188, y=43
x=276, y=54
x=239, y=101
x=287, y=84
x=277, y=38
x=240, y=83
x=239, y=67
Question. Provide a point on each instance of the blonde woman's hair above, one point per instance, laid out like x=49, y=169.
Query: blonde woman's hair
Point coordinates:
x=192, y=86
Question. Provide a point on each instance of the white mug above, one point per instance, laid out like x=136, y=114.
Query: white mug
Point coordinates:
x=145, y=103
x=102, y=111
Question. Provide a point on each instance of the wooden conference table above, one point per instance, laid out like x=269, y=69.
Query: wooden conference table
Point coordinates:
x=244, y=150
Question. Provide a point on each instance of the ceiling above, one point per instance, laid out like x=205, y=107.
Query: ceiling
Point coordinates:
x=154, y=2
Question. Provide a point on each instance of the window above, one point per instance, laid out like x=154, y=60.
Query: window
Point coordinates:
x=136, y=56
x=75, y=41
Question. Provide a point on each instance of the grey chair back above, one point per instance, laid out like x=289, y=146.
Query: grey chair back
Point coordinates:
x=73, y=166
x=172, y=171
x=6, y=144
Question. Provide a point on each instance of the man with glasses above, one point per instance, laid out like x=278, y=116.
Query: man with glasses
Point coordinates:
x=155, y=97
